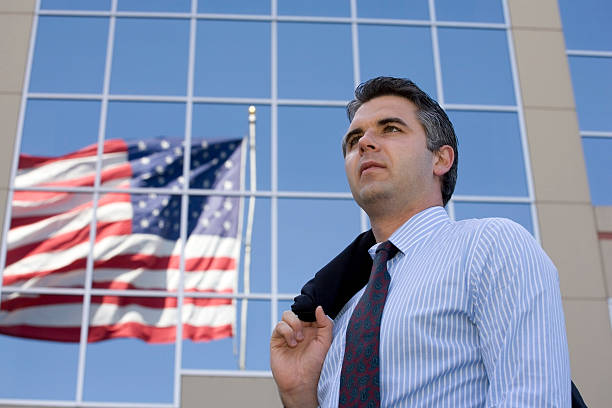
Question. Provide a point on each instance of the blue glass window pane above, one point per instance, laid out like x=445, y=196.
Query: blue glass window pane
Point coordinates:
x=397, y=9
x=144, y=120
x=309, y=148
x=150, y=56
x=489, y=11
x=57, y=127
x=310, y=234
x=586, y=24
x=490, y=154
x=325, y=8
x=154, y=5
x=39, y=369
x=69, y=54
x=219, y=354
x=111, y=369
x=592, y=80
x=518, y=212
x=234, y=6
x=219, y=121
x=397, y=51
x=308, y=70
x=232, y=59
x=475, y=66
x=598, y=157
x=75, y=4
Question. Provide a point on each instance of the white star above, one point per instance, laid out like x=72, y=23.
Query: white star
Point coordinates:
x=144, y=223
x=204, y=144
x=165, y=144
x=214, y=161
x=223, y=155
x=228, y=164
x=165, y=201
x=169, y=159
x=205, y=223
x=146, y=175
x=152, y=196
x=227, y=225
x=206, y=183
x=217, y=214
x=161, y=224
x=142, y=145
x=145, y=160
x=159, y=169
x=142, y=204
x=227, y=205
x=232, y=146
x=206, y=207
x=156, y=212
x=181, y=180
x=227, y=184
x=178, y=151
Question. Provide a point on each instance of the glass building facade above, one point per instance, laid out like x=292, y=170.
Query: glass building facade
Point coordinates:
x=138, y=69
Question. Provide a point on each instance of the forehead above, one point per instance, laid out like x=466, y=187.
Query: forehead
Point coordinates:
x=385, y=106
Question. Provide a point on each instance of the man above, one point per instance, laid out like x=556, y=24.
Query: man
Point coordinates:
x=472, y=309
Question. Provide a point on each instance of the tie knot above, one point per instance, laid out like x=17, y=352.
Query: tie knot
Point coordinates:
x=387, y=247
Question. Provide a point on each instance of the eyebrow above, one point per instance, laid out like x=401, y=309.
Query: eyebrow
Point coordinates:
x=381, y=122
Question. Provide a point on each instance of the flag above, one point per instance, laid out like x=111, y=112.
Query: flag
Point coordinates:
x=137, y=242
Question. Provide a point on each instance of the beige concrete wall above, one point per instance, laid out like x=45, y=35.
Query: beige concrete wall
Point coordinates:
x=207, y=391
x=15, y=26
x=566, y=217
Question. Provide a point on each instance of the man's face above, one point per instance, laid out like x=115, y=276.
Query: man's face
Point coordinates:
x=387, y=162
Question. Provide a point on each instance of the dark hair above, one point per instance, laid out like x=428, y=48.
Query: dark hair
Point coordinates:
x=438, y=128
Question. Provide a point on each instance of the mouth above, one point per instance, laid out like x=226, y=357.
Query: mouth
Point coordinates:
x=369, y=166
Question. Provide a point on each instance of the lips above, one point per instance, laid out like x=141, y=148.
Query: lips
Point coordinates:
x=370, y=164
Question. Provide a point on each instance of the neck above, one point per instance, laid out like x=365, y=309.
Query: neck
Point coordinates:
x=386, y=223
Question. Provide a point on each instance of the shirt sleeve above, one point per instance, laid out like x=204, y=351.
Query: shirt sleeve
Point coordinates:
x=519, y=315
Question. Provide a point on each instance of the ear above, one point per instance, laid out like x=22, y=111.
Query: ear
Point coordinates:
x=443, y=160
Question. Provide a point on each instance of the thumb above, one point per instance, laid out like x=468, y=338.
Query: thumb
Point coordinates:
x=324, y=323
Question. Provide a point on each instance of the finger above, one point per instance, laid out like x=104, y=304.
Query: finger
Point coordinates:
x=284, y=331
x=295, y=323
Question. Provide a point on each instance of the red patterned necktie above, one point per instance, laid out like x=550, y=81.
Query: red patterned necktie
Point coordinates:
x=359, y=379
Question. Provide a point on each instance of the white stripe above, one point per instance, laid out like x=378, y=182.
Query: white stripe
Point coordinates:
x=69, y=315
x=67, y=222
x=66, y=170
x=109, y=247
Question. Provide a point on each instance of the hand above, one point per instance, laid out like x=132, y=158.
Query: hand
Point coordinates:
x=297, y=352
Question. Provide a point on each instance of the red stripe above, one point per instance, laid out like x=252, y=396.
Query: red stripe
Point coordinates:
x=109, y=198
x=24, y=302
x=110, y=146
x=149, y=334
x=134, y=261
x=604, y=235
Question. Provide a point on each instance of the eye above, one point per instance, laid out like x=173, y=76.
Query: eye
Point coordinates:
x=352, y=140
x=391, y=128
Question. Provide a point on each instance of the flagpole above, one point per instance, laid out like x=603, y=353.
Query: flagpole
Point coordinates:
x=248, y=239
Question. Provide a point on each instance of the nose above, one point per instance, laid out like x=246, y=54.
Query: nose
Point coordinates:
x=368, y=141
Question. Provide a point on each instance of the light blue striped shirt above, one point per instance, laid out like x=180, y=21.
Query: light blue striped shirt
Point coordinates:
x=473, y=318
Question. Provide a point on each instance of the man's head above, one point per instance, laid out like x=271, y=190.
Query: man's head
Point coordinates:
x=439, y=130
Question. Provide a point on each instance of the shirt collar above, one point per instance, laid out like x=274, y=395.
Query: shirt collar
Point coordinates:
x=417, y=228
